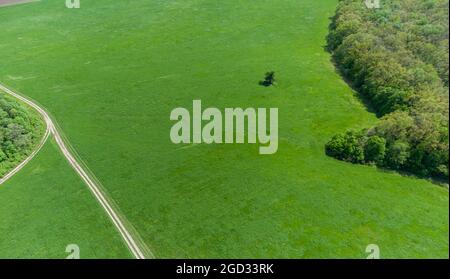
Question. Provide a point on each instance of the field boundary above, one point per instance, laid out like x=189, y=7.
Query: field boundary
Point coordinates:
x=16, y=2
x=86, y=176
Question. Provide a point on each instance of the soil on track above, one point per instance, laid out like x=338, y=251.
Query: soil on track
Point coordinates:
x=14, y=2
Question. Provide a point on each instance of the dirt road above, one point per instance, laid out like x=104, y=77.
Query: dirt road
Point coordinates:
x=52, y=130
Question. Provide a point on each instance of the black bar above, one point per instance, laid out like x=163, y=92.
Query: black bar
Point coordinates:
x=279, y=268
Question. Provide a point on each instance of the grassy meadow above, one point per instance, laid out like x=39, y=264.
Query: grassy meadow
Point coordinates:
x=111, y=72
x=47, y=207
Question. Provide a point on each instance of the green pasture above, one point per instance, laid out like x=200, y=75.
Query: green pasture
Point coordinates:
x=111, y=72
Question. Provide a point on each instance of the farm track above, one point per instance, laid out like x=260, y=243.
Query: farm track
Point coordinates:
x=85, y=176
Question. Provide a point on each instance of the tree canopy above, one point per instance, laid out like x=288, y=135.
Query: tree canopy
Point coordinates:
x=397, y=58
x=20, y=131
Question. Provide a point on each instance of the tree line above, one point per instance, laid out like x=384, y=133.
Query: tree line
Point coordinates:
x=397, y=57
x=20, y=131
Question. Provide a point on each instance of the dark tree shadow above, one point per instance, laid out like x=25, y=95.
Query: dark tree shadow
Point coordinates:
x=269, y=79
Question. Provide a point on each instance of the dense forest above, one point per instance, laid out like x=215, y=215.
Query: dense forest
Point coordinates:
x=397, y=57
x=20, y=131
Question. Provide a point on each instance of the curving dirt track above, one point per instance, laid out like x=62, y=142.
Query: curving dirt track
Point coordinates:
x=88, y=180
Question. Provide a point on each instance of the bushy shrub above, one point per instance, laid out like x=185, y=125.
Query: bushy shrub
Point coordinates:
x=348, y=147
x=375, y=150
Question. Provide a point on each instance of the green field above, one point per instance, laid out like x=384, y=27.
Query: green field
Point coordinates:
x=111, y=72
x=47, y=207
